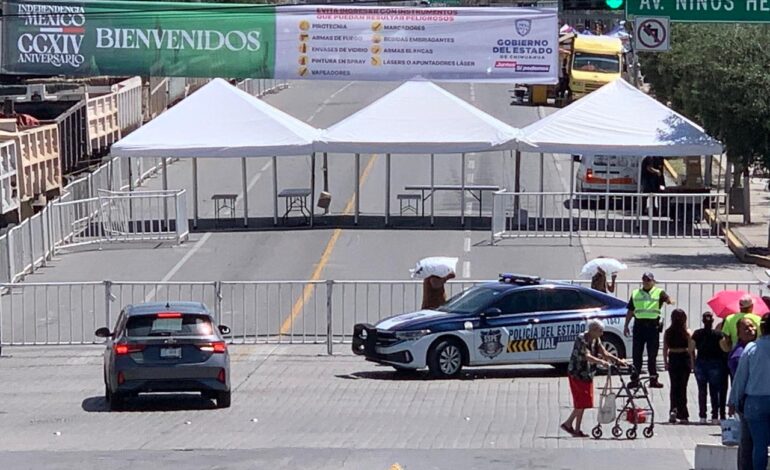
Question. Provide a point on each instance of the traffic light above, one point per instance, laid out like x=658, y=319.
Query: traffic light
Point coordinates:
x=568, y=5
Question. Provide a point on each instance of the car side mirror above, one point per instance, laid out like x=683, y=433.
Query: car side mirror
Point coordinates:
x=492, y=312
x=577, y=158
x=225, y=330
x=103, y=333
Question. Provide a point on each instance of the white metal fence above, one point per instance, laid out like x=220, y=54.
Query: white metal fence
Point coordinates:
x=258, y=312
x=606, y=215
x=34, y=241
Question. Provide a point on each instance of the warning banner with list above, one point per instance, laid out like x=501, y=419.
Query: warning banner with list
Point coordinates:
x=385, y=43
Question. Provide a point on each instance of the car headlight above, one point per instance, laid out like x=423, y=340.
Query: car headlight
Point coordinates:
x=411, y=335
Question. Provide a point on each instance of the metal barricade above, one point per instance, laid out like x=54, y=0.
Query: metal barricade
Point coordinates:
x=258, y=312
x=606, y=215
x=51, y=313
x=129, y=96
x=275, y=311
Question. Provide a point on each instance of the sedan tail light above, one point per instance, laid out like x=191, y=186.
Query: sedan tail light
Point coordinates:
x=122, y=349
x=215, y=347
x=221, y=376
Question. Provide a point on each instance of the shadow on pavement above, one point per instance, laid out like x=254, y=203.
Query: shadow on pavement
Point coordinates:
x=683, y=262
x=144, y=403
x=480, y=374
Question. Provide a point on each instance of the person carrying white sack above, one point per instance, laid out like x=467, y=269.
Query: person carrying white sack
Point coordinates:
x=434, y=272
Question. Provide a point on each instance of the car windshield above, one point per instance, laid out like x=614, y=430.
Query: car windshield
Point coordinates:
x=596, y=63
x=183, y=325
x=472, y=300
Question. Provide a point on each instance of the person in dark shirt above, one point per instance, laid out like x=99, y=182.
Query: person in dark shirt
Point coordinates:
x=710, y=369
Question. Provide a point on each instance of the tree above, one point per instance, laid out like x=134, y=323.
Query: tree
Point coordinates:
x=718, y=75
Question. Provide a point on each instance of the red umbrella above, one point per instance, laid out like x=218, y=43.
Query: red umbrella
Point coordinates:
x=726, y=303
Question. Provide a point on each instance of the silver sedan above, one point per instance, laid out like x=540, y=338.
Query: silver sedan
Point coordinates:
x=166, y=347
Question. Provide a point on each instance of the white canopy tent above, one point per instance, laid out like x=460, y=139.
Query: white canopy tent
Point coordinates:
x=418, y=117
x=617, y=120
x=221, y=121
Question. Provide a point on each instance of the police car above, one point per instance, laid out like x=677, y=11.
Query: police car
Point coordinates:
x=518, y=320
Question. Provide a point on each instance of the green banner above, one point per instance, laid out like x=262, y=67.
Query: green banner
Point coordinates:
x=147, y=38
x=703, y=11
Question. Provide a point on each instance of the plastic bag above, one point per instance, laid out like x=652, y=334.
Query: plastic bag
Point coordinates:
x=607, y=408
x=731, y=431
x=636, y=416
x=440, y=266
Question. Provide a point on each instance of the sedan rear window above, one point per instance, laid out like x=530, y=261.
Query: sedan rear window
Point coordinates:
x=155, y=325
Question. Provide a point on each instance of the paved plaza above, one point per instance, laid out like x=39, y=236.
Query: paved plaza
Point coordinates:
x=296, y=407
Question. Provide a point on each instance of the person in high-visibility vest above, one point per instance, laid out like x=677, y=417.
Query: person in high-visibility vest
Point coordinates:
x=645, y=308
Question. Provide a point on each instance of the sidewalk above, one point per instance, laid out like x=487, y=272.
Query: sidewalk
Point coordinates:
x=749, y=242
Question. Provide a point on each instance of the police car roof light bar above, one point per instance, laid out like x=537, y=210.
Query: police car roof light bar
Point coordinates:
x=512, y=278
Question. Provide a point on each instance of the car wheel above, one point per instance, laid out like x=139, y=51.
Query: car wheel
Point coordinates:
x=614, y=345
x=223, y=399
x=445, y=359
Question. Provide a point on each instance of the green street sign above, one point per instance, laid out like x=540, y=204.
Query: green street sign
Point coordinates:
x=614, y=4
x=703, y=11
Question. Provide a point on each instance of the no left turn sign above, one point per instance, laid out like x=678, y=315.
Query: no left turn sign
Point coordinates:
x=652, y=34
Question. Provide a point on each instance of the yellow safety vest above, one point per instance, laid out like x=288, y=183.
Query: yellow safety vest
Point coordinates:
x=647, y=304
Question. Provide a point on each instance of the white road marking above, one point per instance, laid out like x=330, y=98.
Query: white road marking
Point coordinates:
x=473, y=92
x=248, y=188
x=471, y=164
x=179, y=265
x=466, y=269
x=467, y=245
x=327, y=101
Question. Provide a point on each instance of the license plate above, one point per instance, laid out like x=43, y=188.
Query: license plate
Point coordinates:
x=171, y=353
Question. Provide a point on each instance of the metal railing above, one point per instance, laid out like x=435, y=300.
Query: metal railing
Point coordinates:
x=129, y=96
x=122, y=217
x=260, y=312
x=606, y=215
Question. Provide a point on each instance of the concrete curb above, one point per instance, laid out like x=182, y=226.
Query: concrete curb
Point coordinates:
x=737, y=244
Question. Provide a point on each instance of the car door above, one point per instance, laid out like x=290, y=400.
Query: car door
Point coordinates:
x=566, y=311
x=508, y=338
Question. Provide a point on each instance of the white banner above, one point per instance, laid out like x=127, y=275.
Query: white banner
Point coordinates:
x=386, y=43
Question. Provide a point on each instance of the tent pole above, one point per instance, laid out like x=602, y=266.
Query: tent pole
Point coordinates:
x=130, y=189
x=639, y=198
x=462, y=191
x=245, y=193
x=432, y=186
x=606, y=191
x=387, y=188
x=571, y=196
x=275, y=190
x=165, y=188
x=542, y=187
x=312, y=188
x=358, y=188
x=195, y=191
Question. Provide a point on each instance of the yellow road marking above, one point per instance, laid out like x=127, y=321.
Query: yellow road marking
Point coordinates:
x=307, y=291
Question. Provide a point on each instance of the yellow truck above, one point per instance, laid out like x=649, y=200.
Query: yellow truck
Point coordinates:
x=593, y=62
x=585, y=64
